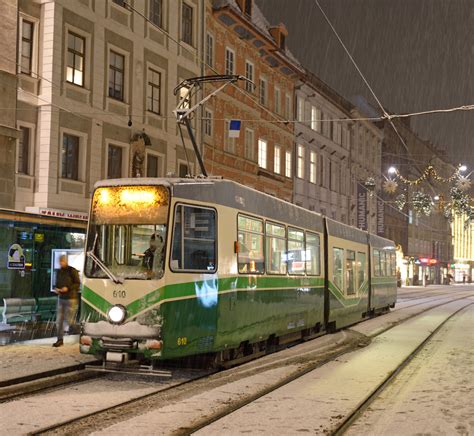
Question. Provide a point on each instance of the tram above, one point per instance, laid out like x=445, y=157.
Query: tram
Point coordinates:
x=202, y=266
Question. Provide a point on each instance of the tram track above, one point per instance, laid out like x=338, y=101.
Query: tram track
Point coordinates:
x=79, y=424
x=45, y=384
x=51, y=380
x=403, y=304
x=426, y=292
x=354, y=414
x=342, y=427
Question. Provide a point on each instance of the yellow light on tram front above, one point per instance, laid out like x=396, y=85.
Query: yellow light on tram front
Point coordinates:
x=137, y=195
x=105, y=196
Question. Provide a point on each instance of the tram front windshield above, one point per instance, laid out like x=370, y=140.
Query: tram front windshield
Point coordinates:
x=127, y=232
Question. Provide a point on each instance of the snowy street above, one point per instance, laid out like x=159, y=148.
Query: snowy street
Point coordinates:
x=311, y=387
x=227, y=217
x=434, y=393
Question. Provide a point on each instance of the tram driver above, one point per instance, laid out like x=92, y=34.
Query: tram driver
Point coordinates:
x=153, y=255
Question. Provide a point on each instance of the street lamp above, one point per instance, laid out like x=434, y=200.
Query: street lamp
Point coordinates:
x=392, y=170
x=436, y=198
x=463, y=168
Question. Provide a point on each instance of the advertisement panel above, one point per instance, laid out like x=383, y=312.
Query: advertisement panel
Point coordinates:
x=361, y=207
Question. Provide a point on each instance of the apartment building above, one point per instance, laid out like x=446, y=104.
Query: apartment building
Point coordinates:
x=240, y=41
x=394, y=154
x=323, y=140
x=462, y=267
x=8, y=84
x=367, y=209
x=429, y=249
x=95, y=94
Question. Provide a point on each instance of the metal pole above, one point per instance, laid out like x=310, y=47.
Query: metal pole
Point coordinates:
x=195, y=146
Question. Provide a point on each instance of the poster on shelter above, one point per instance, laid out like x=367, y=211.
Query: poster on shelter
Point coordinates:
x=16, y=257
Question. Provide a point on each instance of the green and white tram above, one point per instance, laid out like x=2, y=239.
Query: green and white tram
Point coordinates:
x=182, y=267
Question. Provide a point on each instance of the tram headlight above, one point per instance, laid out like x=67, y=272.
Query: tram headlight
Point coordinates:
x=117, y=314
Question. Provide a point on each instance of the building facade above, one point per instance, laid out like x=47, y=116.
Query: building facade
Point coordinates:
x=240, y=41
x=95, y=94
x=429, y=251
x=323, y=141
x=462, y=267
x=367, y=208
x=8, y=86
x=394, y=154
x=424, y=247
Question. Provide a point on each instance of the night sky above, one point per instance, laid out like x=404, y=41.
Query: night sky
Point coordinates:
x=416, y=54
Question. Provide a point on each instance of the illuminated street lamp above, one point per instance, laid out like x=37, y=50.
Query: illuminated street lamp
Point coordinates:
x=392, y=170
x=436, y=198
x=463, y=168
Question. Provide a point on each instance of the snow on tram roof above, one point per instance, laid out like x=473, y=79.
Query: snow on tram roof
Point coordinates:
x=170, y=181
x=270, y=201
x=163, y=181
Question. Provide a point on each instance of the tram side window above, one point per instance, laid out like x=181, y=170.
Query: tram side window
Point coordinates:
x=377, y=263
x=361, y=265
x=338, y=267
x=275, y=249
x=312, y=255
x=296, y=251
x=383, y=263
x=350, y=272
x=194, y=239
x=250, y=257
x=393, y=264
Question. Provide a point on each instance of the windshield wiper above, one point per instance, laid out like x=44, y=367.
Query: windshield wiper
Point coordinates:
x=102, y=266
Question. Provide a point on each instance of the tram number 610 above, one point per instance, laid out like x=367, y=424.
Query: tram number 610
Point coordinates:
x=119, y=294
x=182, y=341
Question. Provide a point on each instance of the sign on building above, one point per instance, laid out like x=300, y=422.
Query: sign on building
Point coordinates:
x=361, y=207
x=380, y=217
x=58, y=213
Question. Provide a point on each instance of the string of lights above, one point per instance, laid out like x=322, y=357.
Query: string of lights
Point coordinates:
x=428, y=172
x=276, y=119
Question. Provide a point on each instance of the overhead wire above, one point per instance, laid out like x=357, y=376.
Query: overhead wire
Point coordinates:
x=384, y=112
x=201, y=61
x=386, y=115
x=277, y=119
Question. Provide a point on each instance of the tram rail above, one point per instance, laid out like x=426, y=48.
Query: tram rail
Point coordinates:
x=119, y=411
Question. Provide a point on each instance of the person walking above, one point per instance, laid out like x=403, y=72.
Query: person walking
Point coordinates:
x=67, y=287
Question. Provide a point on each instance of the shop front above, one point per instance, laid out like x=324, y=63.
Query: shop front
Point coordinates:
x=462, y=272
x=30, y=245
x=421, y=271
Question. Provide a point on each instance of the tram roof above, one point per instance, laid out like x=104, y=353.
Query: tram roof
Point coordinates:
x=379, y=242
x=231, y=194
x=344, y=231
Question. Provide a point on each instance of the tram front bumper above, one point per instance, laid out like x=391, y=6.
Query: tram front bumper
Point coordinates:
x=103, y=337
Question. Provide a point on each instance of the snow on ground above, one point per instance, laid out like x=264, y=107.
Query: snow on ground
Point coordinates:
x=33, y=357
x=174, y=416
x=28, y=414
x=434, y=394
x=409, y=308
x=318, y=401
x=312, y=403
